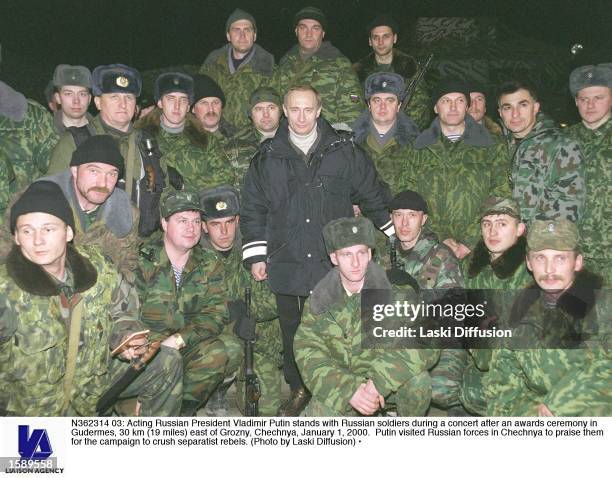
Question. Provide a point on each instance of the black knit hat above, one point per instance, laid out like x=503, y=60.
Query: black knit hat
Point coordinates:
x=204, y=87
x=383, y=20
x=240, y=14
x=99, y=148
x=42, y=196
x=408, y=200
x=450, y=85
x=310, y=13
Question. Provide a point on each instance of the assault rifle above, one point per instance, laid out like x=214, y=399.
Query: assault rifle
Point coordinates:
x=246, y=331
x=415, y=82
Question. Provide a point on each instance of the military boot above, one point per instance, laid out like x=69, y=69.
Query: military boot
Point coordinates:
x=295, y=404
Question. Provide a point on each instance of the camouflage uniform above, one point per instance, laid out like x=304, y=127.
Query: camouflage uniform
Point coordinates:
x=419, y=109
x=455, y=178
x=595, y=226
x=195, y=309
x=507, y=274
x=255, y=71
x=34, y=339
x=330, y=73
x=328, y=351
x=546, y=173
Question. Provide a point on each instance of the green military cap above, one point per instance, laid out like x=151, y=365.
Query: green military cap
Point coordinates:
x=65, y=75
x=220, y=201
x=497, y=205
x=264, y=93
x=557, y=234
x=173, y=201
x=347, y=232
x=310, y=13
x=383, y=82
x=590, y=75
x=239, y=14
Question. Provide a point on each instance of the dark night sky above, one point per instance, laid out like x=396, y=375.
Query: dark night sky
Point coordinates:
x=36, y=35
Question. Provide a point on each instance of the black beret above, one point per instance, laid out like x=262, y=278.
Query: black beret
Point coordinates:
x=310, y=13
x=383, y=20
x=408, y=200
x=204, y=87
x=99, y=148
x=43, y=196
x=450, y=85
x=116, y=78
x=172, y=83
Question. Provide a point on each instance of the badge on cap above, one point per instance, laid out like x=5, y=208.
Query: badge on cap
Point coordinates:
x=221, y=206
x=175, y=82
x=73, y=77
x=589, y=75
x=122, y=81
x=354, y=229
x=551, y=227
x=384, y=84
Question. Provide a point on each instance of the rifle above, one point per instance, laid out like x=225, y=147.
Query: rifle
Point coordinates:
x=246, y=331
x=137, y=365
x=415, y=82
x=395, y=274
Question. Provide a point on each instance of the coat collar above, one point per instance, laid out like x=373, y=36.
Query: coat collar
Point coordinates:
x=505, y=266
x=406, y=132
x=474, y=135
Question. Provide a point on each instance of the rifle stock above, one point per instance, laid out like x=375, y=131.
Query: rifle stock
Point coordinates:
x=252, y=391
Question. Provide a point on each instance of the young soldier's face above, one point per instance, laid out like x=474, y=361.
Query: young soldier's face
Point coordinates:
x=242, y=36
x=352, y=262
x=478, y=106
x=94, y=182
x=266, y=116
x=500, y=232
x=182, y=230
x=518, y=111
x=74, y=101
x=302, y=111
x=116, y=109
x=384, y=108
x=310, y=35
x=221, y=232
x=408, y=224
x=43, y=238
x=554, y=270
x=382, y=40
x=174, y=108
x=208, y=111
x=594, y=104
x=451, y=108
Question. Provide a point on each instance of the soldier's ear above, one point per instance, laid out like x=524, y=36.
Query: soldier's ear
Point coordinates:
x=520, y=229
x=334, y=258
x=69, y=234
x=579, y=263
x=97, y=102
x=424, y=219
x=57, y=98
x=159, y=104
x=536, y=107
x=164, y=224
x=227, y=35
x=394, y=38
x=528, y=263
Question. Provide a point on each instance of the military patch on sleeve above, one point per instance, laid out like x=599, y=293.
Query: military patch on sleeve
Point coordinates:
x=354, y=98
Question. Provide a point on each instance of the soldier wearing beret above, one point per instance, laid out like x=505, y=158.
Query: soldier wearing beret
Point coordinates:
x=591, y=87
x=558, y=359
x=240, y=66
x=496, y=264
x=72, y=92
x=182, y=299
x=344, y=378
x=455, y=166
x=382, y=34
x=65, y=308
x=383, y=130
x=222, y=246
x=115, y=89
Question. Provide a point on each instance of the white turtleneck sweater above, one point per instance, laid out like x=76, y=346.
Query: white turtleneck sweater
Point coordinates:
x=303, y=141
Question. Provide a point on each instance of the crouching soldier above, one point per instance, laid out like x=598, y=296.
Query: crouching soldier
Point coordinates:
x=64, y=309
x=182, y=299
x=222, y=245
x=343, y=377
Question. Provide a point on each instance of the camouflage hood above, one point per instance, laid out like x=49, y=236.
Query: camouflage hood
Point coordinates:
x=326, y=52
x=544, y=124
x=258, y=59
x=406, y=132
x=474, y=135
x=330, y=293
x=194, y=131
x=505, y=266
x=13, y=105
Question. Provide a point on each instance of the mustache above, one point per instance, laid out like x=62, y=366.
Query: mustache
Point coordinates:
x=211, y=113
x=99, y=189
x=550, y=277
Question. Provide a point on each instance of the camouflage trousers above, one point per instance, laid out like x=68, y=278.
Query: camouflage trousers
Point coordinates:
x=208, y=363
x=472, y=394
x=446, y=377
x=159, y=388
x=268, y=366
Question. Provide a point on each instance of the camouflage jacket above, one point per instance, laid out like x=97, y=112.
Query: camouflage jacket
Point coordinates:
x=328, y=346
x=393, y=156
x=34, y=332
x=420, y=108
x=239, y=150
x=197, y=155
x=546, y=173
x=569, y=373
x=195, y=309
x=595, y=225
x=330, y=73
x=455, y=178
x=238, y=85
x=25, y=147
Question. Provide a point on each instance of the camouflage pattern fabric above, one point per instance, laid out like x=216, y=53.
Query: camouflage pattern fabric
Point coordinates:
x=239, y=85
x=595, y=226
x=330, y=73
x=333, y=363
x=6, y=178
x=25, y=147
x=34, y=339
x=547, y=173
x=238, y=151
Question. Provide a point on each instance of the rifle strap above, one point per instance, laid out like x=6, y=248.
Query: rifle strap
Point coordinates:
x=76, y=317
x=131, y=165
